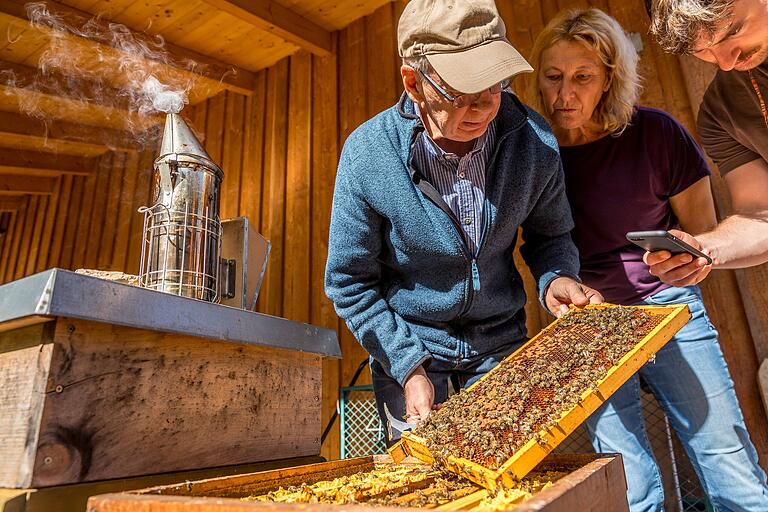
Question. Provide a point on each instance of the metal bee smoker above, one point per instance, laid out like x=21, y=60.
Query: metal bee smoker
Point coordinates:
x=182, y=230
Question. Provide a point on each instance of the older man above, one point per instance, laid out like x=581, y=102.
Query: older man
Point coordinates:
x=733, y=124
x=428, y=201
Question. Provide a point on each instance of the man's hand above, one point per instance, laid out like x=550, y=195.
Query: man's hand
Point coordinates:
x=419, y=396
x=681, y=269
x=563, y=291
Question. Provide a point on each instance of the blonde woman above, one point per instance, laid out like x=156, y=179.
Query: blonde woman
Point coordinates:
x=633, y=168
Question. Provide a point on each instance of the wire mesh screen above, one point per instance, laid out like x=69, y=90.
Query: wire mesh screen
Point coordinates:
x=361, y=430
x=682, y=490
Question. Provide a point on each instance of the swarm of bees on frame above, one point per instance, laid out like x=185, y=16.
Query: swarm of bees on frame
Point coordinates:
x=353, y=488
x=419, y=486
x=528, y=393
x=500, y=499
x=445, y=487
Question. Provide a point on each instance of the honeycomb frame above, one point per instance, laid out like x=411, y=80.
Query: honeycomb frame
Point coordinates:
x=543, y=442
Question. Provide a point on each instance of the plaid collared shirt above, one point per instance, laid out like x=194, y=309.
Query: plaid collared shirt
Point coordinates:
x=459, y=180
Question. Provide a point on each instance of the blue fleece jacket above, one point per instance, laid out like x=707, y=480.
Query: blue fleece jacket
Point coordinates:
x=400, y=273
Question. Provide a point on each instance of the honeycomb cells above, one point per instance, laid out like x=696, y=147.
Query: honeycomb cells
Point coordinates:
x=529, y=391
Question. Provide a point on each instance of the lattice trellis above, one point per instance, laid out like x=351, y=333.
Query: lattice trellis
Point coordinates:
x=361, y=430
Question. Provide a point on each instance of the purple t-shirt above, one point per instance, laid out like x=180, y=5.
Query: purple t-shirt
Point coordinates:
x=621, y=184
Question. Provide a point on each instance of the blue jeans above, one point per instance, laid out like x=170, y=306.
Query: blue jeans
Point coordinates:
x=461, y=371
x=690, y=380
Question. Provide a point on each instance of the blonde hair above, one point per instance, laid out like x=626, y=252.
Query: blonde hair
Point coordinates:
x=602, y=34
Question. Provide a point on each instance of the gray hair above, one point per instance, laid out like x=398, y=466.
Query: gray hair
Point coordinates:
x=419, y=63
x=677, y=24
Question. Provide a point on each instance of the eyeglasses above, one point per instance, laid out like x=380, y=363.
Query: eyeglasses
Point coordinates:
x=463, y=100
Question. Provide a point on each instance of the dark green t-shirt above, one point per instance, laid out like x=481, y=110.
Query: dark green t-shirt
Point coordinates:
x=731, y=123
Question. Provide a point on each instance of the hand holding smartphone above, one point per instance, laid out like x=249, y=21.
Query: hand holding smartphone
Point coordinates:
x=653, y=241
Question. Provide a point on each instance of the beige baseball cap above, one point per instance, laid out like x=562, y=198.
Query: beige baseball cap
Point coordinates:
x=464, y=41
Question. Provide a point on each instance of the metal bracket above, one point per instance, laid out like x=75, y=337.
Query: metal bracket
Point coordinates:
x=227, y=278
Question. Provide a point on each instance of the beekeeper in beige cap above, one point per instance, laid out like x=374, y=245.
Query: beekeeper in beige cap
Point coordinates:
x=464, y=42
x=428, y=200
x=458, y=51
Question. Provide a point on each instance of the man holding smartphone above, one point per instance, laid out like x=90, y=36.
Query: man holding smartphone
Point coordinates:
x=732, y=123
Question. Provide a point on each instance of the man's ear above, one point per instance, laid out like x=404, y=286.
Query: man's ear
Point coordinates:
x=410, y=83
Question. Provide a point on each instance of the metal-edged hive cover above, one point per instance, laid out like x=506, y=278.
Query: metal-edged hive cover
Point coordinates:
x=500, y=427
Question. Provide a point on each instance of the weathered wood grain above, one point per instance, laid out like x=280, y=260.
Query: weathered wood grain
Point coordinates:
x=358, y=80
x=25, y=356
x=597, y=487
x=112, y=402
x=74, y=497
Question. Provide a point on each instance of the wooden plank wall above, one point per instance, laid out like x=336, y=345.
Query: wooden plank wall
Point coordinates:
x=88, y=221
x=279, y=150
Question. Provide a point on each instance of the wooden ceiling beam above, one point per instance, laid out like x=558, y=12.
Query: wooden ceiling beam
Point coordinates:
x=57, y=84
x=55, y=134
x=27, y=163
x=14, y=185
x=229, y=76
x=59, y=147
x=280, y=21
x=50, y=106
x=12, y=203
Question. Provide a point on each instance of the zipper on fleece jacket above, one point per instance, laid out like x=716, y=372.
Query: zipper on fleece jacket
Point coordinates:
x=475, y=276
x=474, y=270
x=434, y=196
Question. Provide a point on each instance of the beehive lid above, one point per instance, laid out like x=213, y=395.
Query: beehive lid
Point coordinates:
x=591, y=372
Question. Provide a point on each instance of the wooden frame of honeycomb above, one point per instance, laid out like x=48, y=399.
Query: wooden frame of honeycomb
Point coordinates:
x=561, y=483
x=667, y=320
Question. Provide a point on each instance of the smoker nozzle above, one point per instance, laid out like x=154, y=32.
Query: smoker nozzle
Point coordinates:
x=180, y=144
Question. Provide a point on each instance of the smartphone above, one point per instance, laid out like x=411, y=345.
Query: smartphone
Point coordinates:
x=664, y=241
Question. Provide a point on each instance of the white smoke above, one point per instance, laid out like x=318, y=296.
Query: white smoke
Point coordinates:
x=126, y=70
x=159, y=97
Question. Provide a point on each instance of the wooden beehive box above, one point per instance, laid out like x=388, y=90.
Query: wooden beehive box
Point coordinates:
x=592, y=483
x=104, y=381
x=666, y=321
